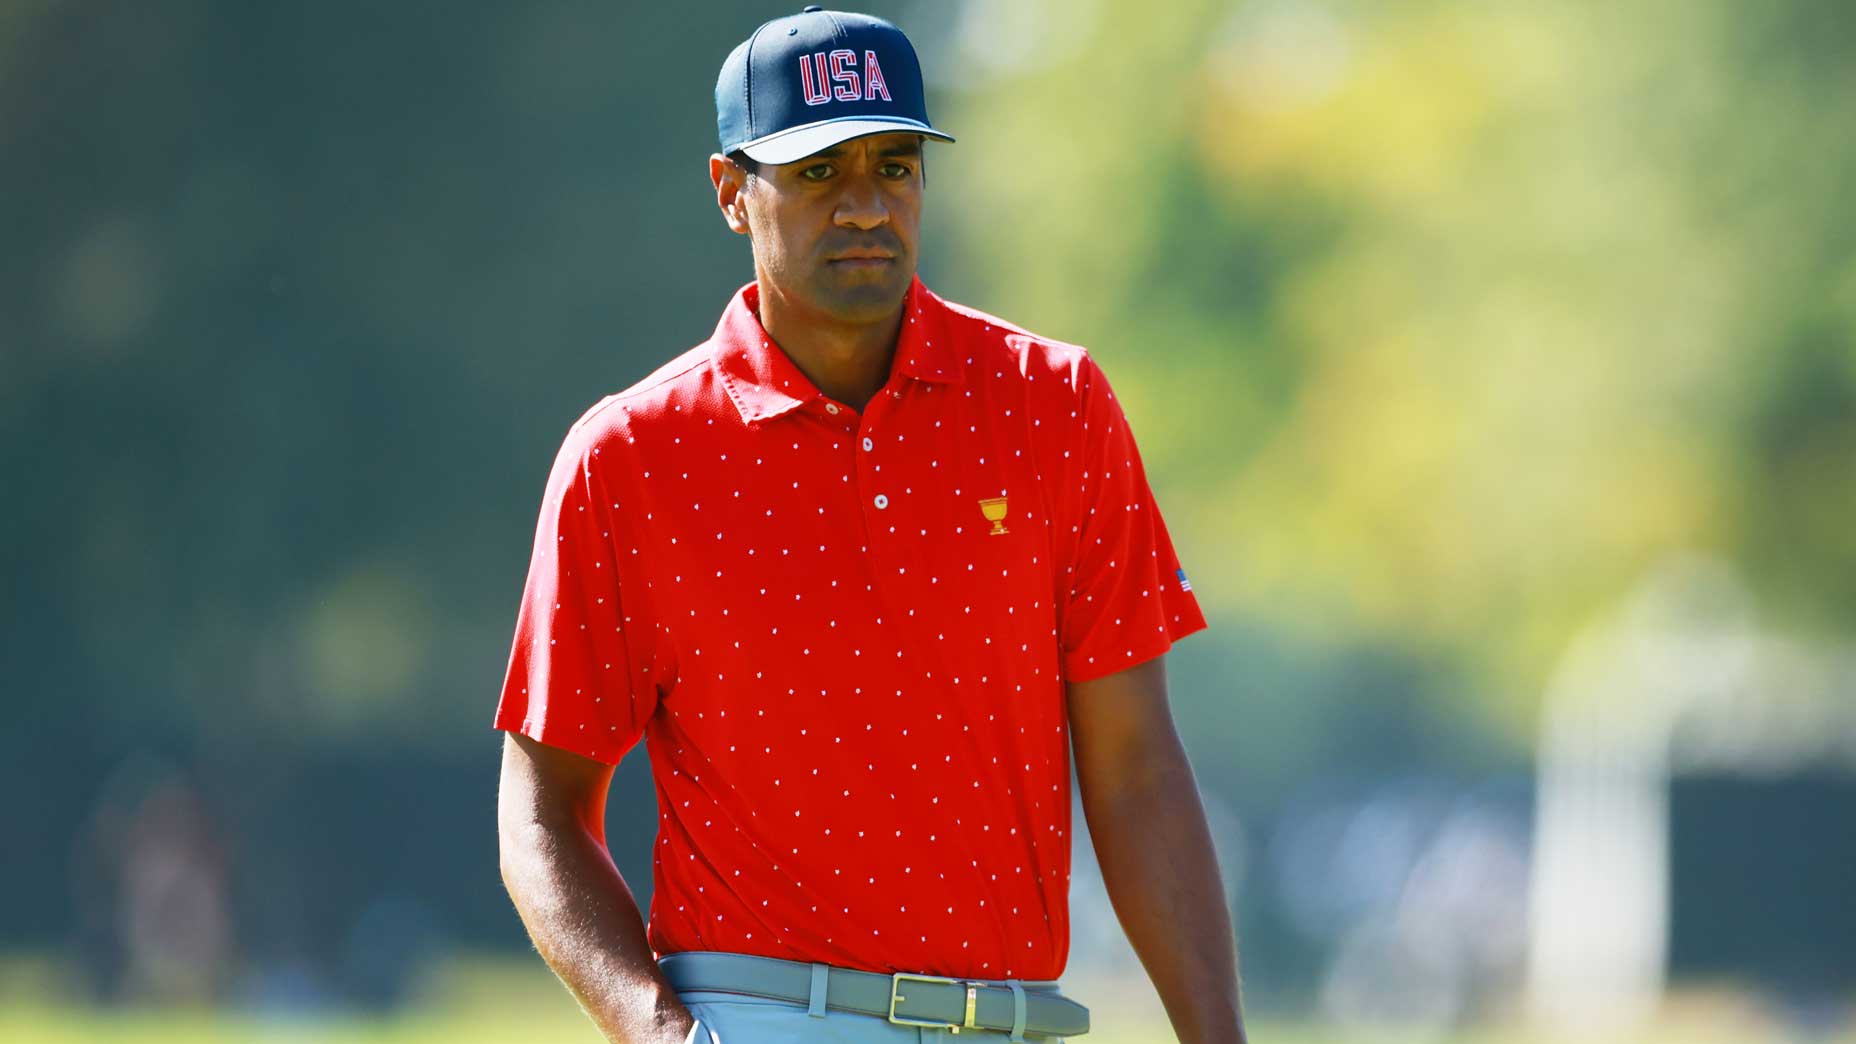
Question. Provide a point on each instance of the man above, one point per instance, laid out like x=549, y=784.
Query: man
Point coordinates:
x=860, y=570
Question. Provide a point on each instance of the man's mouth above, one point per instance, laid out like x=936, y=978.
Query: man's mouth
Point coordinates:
x=862, y=258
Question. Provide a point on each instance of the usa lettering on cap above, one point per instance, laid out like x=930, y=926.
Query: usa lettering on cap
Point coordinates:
x=803, y=83
x=840, y=66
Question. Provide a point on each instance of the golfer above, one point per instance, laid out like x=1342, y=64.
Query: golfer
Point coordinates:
x=864, y=570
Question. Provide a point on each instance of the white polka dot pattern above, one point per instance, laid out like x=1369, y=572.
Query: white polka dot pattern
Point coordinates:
x=844, y=635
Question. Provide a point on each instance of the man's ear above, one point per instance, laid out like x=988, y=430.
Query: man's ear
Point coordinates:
x=730, y=183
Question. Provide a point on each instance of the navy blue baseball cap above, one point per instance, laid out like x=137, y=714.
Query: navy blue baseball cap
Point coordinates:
x=806, y=82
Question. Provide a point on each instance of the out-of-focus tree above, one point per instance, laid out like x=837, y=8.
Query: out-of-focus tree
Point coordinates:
x=1442, y=321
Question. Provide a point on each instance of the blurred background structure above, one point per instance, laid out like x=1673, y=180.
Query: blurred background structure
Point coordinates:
x=1494, y=363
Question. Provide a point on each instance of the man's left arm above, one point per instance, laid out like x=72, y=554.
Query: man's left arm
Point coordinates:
x=1155, y=848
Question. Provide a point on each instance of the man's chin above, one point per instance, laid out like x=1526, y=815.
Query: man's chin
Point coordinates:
x=866, y=296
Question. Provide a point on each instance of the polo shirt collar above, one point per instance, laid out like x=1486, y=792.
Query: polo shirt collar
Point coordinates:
x=923, y=347
x=763, y=381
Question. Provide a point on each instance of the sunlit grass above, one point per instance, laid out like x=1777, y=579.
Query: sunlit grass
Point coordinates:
x=502, y=1000
x=76, y=1026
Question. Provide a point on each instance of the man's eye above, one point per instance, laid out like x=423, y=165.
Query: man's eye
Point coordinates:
x=895, y=170
x=817, y=172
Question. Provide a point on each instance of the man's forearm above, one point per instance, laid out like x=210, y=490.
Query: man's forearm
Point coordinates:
x=587, y=927
x=1161, y=872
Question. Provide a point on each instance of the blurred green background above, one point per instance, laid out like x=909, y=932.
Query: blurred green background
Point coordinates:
x=1493, y=363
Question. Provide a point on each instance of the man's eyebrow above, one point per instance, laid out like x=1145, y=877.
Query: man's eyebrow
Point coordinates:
x=907, y=148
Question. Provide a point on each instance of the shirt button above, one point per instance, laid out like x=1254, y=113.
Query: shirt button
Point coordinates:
x=882, y=501
x=831, y=407
x=868, y=444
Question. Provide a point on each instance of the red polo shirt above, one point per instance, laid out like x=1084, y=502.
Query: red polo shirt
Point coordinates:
x=844, y=635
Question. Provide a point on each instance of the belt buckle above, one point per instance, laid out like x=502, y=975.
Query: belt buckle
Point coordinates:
x=895, y=983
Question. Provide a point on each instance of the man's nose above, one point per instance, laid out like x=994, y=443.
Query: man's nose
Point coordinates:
x=861, y=205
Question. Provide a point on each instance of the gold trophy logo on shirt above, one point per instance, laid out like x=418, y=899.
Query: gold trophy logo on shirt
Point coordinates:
x=994, y=510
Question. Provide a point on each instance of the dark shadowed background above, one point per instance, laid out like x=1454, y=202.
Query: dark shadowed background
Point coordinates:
x=1493, y=363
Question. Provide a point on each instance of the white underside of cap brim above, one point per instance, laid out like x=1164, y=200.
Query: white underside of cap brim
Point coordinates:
x=799, y=142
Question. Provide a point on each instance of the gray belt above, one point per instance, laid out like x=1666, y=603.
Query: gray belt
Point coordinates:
x=903, y=998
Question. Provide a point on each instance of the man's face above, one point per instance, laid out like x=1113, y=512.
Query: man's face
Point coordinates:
x=836, y=231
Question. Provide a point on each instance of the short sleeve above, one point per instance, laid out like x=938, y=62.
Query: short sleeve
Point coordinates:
x=580, y=671
x=1128, y=596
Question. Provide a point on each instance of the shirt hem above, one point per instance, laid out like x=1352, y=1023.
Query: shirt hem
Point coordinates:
x=533, y=730
x=1087, y=671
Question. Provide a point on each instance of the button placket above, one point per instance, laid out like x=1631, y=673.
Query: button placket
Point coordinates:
x=871, y=480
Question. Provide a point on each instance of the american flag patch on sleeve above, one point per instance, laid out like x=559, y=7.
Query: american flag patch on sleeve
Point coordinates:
x=1184, y=584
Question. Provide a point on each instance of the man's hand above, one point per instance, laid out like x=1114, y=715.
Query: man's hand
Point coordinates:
x=1155, y=849
x=551, y=816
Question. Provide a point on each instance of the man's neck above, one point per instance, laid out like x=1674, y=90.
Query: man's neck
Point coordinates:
x=849, y=362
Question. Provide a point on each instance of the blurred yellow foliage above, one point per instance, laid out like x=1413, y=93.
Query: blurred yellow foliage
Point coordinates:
x=1432, y=319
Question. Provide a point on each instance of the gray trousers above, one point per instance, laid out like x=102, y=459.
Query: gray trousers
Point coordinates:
x=734, y=1018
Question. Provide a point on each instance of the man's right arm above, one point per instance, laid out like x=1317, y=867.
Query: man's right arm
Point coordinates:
x=551, y=815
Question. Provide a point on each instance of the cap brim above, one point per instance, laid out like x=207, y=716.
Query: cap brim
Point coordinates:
x=797, y=143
